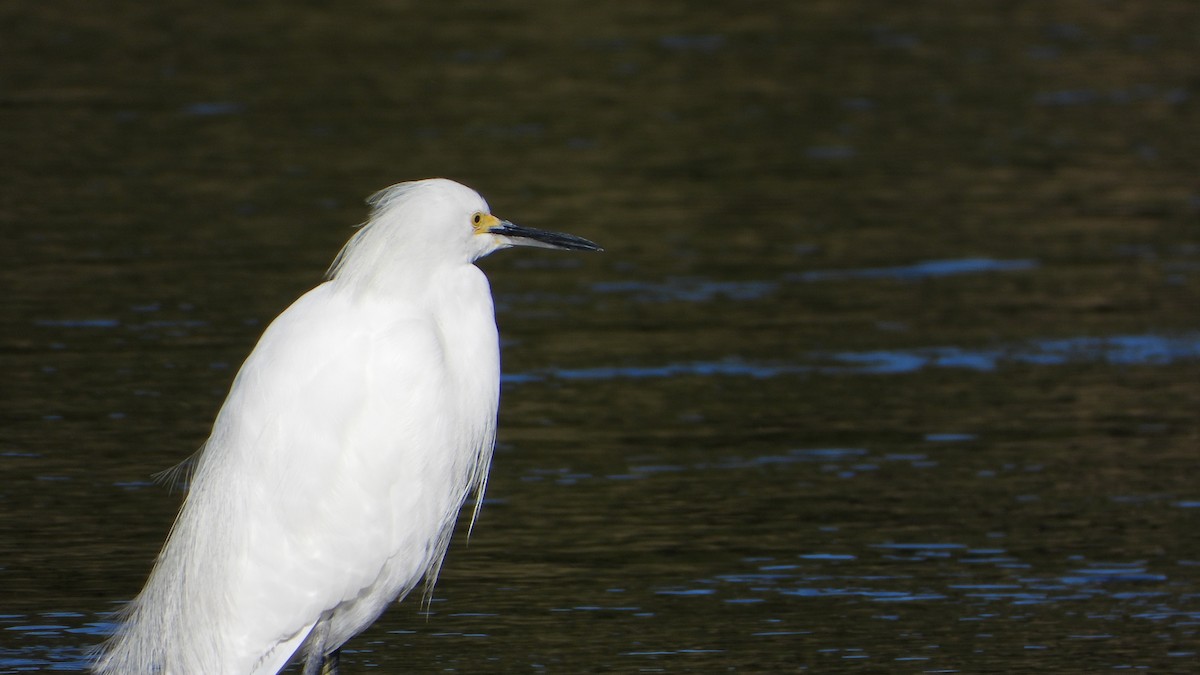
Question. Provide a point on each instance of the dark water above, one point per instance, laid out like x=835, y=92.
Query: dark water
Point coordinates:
x=892, y=363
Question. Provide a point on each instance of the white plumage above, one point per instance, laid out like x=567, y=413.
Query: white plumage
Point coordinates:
x=338, y=464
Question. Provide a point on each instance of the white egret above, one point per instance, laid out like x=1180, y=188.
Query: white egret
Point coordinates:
x=348, y=443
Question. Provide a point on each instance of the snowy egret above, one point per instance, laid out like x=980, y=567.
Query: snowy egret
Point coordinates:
x=348, y=443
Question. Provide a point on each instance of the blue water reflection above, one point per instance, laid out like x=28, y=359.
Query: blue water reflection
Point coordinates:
x=49, y=641
x=890, y=580
x=695, y=289
x=1127, y=350
x=922, y=270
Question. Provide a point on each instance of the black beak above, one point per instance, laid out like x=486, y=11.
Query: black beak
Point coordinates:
x=527, y=236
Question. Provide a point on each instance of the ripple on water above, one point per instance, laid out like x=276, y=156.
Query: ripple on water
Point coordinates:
x=697, y=289
x=49, y=641
x=954, y=581
x=1125, y=350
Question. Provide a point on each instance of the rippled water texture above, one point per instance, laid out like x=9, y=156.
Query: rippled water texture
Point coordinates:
x=891, y=363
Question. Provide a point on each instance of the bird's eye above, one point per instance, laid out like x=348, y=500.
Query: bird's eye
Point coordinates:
x=477, y=218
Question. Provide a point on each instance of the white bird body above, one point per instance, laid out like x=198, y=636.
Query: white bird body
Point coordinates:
x=337, y=466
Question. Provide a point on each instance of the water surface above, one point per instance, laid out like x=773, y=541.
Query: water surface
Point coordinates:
x=890, y=364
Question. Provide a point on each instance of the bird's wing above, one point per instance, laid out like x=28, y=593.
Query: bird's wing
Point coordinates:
x=342, y=455
x=281, y=653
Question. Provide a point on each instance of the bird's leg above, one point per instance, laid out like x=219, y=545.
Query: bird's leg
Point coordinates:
x=316, y=661
x=330, y=666
x=316, y=664
x=313, y=664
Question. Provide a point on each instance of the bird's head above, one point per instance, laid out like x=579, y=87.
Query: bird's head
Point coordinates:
x=434, y=221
